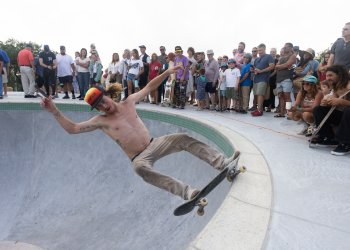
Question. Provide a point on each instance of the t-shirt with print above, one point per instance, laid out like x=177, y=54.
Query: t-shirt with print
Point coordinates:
x=47, y=57
x=263, y=62
x=134, y=66
x=154, y=68
x=183, y=61
x=246, y=69
x=64, y=67
x=231, y=76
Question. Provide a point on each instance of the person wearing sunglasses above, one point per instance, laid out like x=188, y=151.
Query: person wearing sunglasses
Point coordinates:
x=308, y=98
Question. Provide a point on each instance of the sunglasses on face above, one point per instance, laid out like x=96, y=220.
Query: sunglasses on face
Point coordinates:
x=254, y=51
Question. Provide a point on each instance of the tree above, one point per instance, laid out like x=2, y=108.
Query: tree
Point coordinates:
x=12, y=47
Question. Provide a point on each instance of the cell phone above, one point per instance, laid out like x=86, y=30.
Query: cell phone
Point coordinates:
x=42, y=93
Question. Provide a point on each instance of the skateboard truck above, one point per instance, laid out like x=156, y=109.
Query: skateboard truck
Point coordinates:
x=231, y=174
x=201, y=204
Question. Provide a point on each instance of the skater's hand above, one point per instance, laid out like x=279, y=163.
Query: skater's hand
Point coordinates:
x=174, y=69
x=48, y=104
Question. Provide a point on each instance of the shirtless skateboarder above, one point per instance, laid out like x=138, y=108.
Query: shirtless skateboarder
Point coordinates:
x=121, y=122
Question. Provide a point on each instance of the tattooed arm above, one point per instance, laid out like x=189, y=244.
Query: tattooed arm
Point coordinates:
x=68, y=125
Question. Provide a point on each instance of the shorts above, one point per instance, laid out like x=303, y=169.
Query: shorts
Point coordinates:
x=259, y=88
x=130, y=77
x=223, y=93
x=285, y=86
x=4, y=76
x=65, y=79
x=209, y=88
x=231, y=93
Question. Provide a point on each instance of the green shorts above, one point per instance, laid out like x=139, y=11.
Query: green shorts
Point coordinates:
x=231, y=93
x=259, y=88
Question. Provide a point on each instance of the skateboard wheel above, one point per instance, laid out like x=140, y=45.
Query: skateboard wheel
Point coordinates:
x=203, y=202
x=200, y=211
x=242, y=169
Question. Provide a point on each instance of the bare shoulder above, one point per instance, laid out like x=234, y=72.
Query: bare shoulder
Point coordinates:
x=96, y=122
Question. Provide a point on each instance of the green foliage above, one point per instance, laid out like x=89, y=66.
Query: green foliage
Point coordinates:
x=320, y=55
x=12, y=47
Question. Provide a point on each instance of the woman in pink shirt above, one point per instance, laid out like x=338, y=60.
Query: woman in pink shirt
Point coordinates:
x=154, y=70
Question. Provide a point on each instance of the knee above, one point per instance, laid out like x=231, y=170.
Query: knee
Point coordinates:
x=140, y=169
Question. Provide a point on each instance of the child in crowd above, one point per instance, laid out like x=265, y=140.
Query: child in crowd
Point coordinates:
x=222, y=88
x=326, y=88
x=245, y=83
x=307, y=99
x=232, y=76
x=201, y=81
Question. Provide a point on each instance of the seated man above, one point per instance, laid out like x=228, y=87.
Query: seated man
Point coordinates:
x=339, y=78
x=121, y=122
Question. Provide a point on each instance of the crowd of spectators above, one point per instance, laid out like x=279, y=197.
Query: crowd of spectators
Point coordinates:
x=218, y=84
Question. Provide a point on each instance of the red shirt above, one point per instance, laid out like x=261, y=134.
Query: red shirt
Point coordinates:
x=154, y=68
x=25, y=57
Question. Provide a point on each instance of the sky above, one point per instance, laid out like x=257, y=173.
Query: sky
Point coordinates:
x=218, y=25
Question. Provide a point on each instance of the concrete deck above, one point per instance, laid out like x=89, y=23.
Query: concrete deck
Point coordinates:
x=303, y=206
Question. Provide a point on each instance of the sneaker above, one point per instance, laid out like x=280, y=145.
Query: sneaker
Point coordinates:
x=73, y=96
x=304, y=130
x=191, y=193
x=65, y=97
x=227, y=161
x=257, y=113
x=341, y=149
x=252, y=109
x=327, y=142
x=310, y=130
x=1, y=97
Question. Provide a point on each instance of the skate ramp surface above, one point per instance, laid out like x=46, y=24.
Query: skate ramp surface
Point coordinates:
x=61, y=191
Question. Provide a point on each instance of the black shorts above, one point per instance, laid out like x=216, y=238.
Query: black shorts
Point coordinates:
x=49, y=77
x=65, y=79
x=209, y=88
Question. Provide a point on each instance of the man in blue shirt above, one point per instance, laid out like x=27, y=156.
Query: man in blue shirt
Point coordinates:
x=263, y=65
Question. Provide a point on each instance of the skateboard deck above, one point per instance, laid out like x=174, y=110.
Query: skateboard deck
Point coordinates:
x=230, y=172
x=167, y=93
x=42, y=93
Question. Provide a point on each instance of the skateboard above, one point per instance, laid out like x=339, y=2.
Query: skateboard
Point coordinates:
x=167, y=93
x=200, y=200
x=314, y=134
x=41, y=93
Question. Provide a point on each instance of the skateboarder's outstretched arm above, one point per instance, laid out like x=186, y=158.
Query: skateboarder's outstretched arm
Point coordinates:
x=152, y=85
x=68, y=125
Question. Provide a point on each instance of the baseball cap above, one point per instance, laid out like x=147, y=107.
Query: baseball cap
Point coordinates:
x=94, y=96
x=231, y=61
x=62, y=47
x=310, y=79
x=46, y=48
x=210, y=52
x=248, y=55
x=178, y=49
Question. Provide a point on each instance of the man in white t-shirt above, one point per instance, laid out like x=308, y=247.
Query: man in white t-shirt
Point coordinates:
x=65, y=71
x=232, y=76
